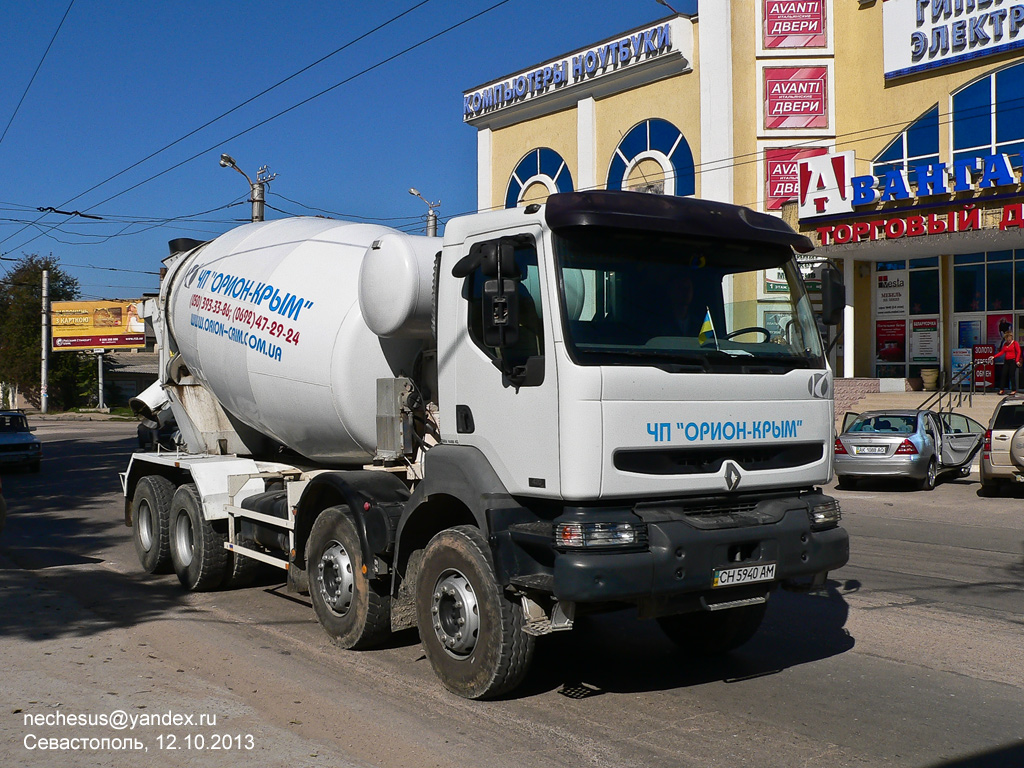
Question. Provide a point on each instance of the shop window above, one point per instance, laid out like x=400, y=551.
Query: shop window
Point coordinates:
x=969, y=288
x=1018, y=282
x=539, y=169
x=924, y=291
x=889, y=266
x=999, y=290
x=653, y=145
x=968, y=258
x=928, y=261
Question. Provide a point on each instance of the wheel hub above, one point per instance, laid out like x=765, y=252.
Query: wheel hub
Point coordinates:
x=184, y=539
x=455, y=614
x=335, y=579
x=145, y=523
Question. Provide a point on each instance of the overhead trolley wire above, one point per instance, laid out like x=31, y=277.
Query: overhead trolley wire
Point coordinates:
x=38, y=67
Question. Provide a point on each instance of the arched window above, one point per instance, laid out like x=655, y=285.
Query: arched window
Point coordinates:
x=540, y=173
x=653, y=157
x=917, y=145
x=988, y=116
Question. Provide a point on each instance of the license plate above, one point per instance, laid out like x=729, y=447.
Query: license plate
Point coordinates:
x=869, y=449
x=747, y=574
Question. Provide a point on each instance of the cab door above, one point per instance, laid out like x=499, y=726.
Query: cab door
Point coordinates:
x=505, y=396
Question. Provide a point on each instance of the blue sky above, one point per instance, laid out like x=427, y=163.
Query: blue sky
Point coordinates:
x=124, y=79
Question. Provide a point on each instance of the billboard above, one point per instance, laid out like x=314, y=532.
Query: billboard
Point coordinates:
x=77, y=325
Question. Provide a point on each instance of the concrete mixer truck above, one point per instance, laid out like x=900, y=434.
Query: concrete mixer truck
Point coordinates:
x=551, y=411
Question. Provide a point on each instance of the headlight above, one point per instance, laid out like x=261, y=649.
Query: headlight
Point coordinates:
x=826, y=515
x=600, y=535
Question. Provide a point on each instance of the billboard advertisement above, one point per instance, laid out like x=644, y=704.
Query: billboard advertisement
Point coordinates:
x=78, y=325
x=787, y=24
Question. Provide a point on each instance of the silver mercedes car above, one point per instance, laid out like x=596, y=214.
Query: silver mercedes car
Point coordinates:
x=913, y=444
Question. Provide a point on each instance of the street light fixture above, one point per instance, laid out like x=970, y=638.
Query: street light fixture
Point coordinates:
x=431, y=214
x=256, y=189
x=665, y=3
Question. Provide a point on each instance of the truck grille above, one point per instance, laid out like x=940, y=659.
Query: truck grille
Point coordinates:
x=708, y=460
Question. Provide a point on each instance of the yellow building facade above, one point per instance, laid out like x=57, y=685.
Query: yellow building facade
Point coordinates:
x=888, y=131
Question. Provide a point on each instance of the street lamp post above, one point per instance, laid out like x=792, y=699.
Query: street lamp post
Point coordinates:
x=665, y=3
x=257, y=189
x=431, y=213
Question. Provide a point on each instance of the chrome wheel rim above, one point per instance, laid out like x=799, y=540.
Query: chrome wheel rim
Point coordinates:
x=334, y=578
x=184, y=538
x=455, y=614
x=145, y=525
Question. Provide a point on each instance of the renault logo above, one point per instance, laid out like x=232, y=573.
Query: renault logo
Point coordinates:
x=818, y=385
x=732, y=476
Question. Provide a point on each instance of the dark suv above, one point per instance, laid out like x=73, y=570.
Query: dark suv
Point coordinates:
x=18, y=446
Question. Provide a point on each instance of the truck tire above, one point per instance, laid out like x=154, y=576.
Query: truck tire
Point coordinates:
x=241, y=570
x=710, y=633
x=472, y=632
x=151, y=508
x=353, y=609
x=197, y=550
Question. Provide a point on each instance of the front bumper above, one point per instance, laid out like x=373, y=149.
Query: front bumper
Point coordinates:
x=674, y=571
x=19, y=458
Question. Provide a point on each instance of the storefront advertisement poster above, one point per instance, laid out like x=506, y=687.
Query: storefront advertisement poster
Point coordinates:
x=891, y=293
x=995, y=326
x=780, y=174
x=924, y=340
x=961, y=358
x=968, y=333
x=795, y=97
x=984, y=371
x=793, y=25
x=891, y=341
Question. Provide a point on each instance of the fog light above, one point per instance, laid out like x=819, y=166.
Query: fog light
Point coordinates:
x=599, y=535
x=825, y=515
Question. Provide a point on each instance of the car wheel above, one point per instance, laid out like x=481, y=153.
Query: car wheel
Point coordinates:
x=965, y=471
x=928, y=481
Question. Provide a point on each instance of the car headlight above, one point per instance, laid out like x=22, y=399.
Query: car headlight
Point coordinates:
x=825, y=515
x=600, y=535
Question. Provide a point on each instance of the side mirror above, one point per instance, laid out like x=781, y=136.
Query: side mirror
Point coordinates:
x=833, y=297
x=500, y=313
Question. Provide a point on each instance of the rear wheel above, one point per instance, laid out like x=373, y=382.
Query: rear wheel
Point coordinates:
x=471, y=630
x=930, y=476
x=710, y=633
x=352, y=608
x=197, y=550
x=151, y=508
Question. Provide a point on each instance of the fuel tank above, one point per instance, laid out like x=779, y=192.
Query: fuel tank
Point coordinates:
x=289, y=323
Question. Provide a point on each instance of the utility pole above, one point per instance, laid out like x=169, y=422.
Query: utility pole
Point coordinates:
x=99, y=363
x=257, y=189
x=44, y=372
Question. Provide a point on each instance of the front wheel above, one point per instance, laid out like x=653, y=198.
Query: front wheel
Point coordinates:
x=197, y=550
x=471, y=630
x=711, y=633
x=352, y=608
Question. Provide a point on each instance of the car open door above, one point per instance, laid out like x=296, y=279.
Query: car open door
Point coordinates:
x=848, y=418
x=961, y=439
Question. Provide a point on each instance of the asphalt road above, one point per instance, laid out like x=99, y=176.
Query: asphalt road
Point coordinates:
x=912, y=659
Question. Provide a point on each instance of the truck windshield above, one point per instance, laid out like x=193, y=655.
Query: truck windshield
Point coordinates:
x=684, y=304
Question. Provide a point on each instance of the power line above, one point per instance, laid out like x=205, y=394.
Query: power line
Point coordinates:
x=38, y=67
x=344, y=215
x=228, y=112
x=283, y=112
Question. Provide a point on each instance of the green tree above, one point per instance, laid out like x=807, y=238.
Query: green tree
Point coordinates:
x=21, y=333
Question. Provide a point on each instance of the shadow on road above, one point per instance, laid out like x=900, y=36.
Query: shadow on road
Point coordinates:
x=1010, y=756
x=622, y=654
x=55, y=561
